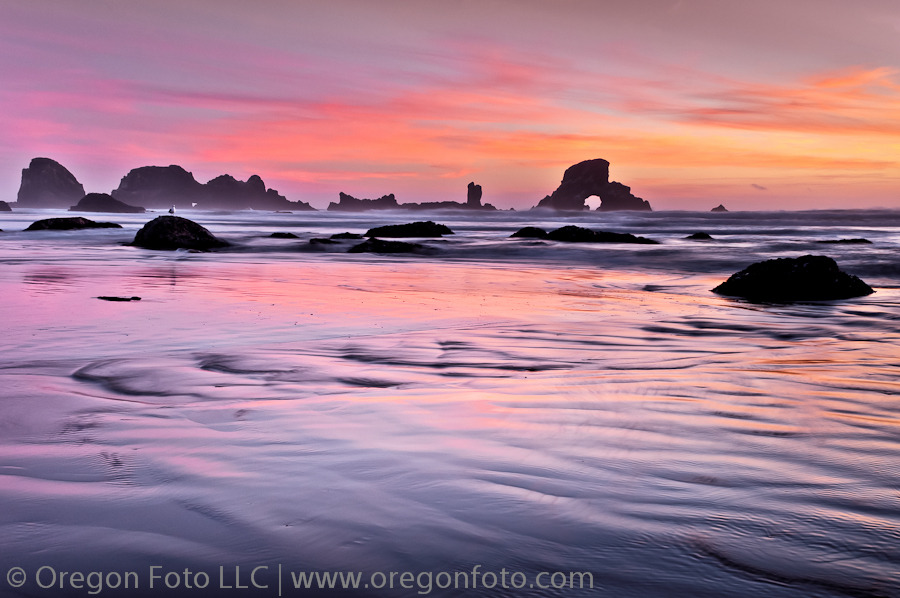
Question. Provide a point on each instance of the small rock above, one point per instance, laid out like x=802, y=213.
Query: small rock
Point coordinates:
x=378, y=246
x=700, y=237
x=107, y=298
x=578, y=234
x=806, y=278
x=4, y=207
x=847, y=241
x=530, y=232
x=719, y=208
x=412, y=229
x=284, y=236
x=74, y=223
x=175, y=232
x=103, y=202
x=347, y=236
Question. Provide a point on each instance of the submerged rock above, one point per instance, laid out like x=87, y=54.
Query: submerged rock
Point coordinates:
x=530, y=232
x=347, y=236
x=174, y=232
x=4, y=207
x=588, y=178
x=103, y=202
x=412, y=229
x=48, y=184
x=283, y=236
x=107, y=298
x=578, y=234
x=379, y=246
x=700, y=237
x=73, y=223
x=806, y=278
x=847, y=241
x=719, y=208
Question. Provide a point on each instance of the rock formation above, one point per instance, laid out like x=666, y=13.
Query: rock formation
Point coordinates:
x=588, y=178
x=578, y=234
x=806, y=278
x=103, y=202
x=283, y=236
x=473, y=196
x=227, y=193
x=47, y=184
x=159, y=187
x=74, y=223
x=719, y=208
x=379, y=246
x=700, y=237
x=348, y=203
x=174, y=232
x=858, y=241
x=4, y=207
x=530, y=232
x=412, y=229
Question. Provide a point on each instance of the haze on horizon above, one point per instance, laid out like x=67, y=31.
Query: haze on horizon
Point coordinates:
x=761, y=105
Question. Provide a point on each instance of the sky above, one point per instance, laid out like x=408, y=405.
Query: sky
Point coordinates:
x=757, y=105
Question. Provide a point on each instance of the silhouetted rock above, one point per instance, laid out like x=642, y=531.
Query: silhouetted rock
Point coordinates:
x=348, y=203
x=806, y=278
x=347, y=236
x=379, y=246
x=102, y=202
x=284, y=236
x=227, y=193
x=412, y=229
x=74, y=223
x=4, y=207
x=174, y=232
x=107, y=298
x=578, y=234
x=530, y=232
x=47, y=184
x=159, y=187
x=847, y=241
x=719, y=208
x=588, y=178
x=473, y=196
x=699, y=237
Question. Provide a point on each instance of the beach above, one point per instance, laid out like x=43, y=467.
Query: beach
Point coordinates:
x=491, y=404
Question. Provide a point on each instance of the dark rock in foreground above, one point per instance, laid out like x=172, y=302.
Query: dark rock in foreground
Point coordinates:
x=174, y=232
x=48, y=184
x=4, y=207
x=588, y=178
x=846, y=241
x=412, y=229
x=74, y=223
x=283, y=236
x=719, y=208
x=379, y=246
x=578, y=234
x=806, y=278
x=700, y=237
x=102, y=202
x=106, y=298
x=530, y=232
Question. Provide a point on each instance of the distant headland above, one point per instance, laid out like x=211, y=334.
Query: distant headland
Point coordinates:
x=48, y=184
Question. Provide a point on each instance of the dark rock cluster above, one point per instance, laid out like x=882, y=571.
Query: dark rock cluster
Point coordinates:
x=412, y=229
x=579, y=234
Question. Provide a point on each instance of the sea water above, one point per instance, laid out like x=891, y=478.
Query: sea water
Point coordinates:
x=589, y=419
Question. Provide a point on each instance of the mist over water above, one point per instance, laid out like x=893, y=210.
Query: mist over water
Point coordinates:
x=509, y=403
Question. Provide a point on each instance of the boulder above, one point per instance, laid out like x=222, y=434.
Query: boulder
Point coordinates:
x=700, y=237
x=530, y=232
x=103, y=202
x=588, y=178
x=859, y=241
x=348, y=203
x=74, y=223
x=283, y=236
x=806, y=278
x=4, y=207
x=412, y=229
x=719, y=208
x=347, y=236
x=379, y=246
x=174, y=232
x=47, y=184
x=578, y=234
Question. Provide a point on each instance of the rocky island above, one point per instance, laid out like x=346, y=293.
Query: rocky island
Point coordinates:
x=589, y=178
x=48, y=184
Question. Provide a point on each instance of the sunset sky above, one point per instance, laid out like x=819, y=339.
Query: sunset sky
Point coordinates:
x=758, y=105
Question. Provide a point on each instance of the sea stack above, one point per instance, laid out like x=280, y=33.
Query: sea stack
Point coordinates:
x=48, y=184
x=588, y=178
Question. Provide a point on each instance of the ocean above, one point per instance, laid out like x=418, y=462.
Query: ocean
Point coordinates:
x=525, y=417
